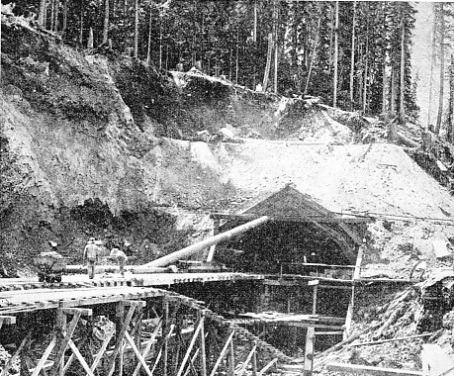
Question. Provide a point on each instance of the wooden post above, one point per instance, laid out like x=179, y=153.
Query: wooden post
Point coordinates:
x=138, y=336
x=148, y=346
x=61, y=325
x=247, y=361
x=231, y=371
x=43, y=359
x=309, y=352
x=222, y=354
x=165, y=328
x=203, y=358
x=191, y=345
x=120, y=310
x=314, y=298
x=267, y=367
x=122, y=326
x=349, y=317
x=66, y=333
x=254, y=364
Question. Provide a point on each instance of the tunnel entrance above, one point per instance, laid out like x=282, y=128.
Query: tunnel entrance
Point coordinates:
x=308, y=256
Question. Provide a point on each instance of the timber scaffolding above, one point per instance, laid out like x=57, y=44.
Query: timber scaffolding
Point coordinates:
x=154, y=331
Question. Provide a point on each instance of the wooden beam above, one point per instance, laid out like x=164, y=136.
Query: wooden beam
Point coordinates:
x=370, y=371
x=246, y=362
x=172, y=327
x=72, y=356
x=80, y=358
x=46, y=354
x=138, y=354
x=16, y=354
x=321, y=219
x=334, y=333
x=352, y=234
x=135, y=303
x=148, y=346
x=101, y=352
x=61, y=323
x=165, y=328
x=81, y=311
x=231, y=370
x=309, y=352
x=222, y=354
x=254, y=364
x=191, y=345
x=371, y=343
x=119, y=341
x=203, y=358
x=359, y=260
x=267, y=367
x=66, y=337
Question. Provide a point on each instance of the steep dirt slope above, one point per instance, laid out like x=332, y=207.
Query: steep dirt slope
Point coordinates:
x=88, y=133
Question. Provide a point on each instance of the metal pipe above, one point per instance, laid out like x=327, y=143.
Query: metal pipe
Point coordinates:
x=188, y=251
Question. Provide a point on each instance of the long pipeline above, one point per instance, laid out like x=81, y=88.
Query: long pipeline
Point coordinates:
x=188, y=251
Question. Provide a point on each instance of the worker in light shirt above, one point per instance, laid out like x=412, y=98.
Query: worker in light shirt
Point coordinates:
x=121, y=258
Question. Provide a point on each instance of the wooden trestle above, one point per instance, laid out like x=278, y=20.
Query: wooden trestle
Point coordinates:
x=150, y=332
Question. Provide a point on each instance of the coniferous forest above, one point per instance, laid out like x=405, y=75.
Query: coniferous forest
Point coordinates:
x=356, y=55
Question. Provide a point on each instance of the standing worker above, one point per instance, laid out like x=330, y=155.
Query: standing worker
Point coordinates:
x=91, y=253
x=121, y=259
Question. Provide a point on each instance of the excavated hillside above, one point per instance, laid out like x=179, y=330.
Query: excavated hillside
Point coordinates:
x=105, y=146
x=98, y=146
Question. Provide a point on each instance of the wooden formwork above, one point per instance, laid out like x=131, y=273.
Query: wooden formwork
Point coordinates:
x=165, y=334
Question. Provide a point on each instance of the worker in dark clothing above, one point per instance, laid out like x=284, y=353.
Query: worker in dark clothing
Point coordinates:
x=121, y=258
x=91, y=254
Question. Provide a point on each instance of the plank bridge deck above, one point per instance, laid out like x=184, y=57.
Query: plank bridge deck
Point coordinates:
x=27, y=295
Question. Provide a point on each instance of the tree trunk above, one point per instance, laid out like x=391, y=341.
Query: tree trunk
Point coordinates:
x=237, y=60
x=52, y=15
x=442, y=70
x=386, y=59
x=432, y=58
x=393, y=91
x=314, y=50
x=336, y=53
x=136, y=29
x=65, y=17
x=105, y=34
x=81, y=31
x=268, y=61
x=231, y=65
x=90, y=39
x=331, y=34
x=57, y=9
x=352, y=65
x=276, y=45
x=366, y=72
x=451, y=103
x=149, y=37
x=254, y=37
x=402, y=77
x=42, y=13
x=160, y=41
